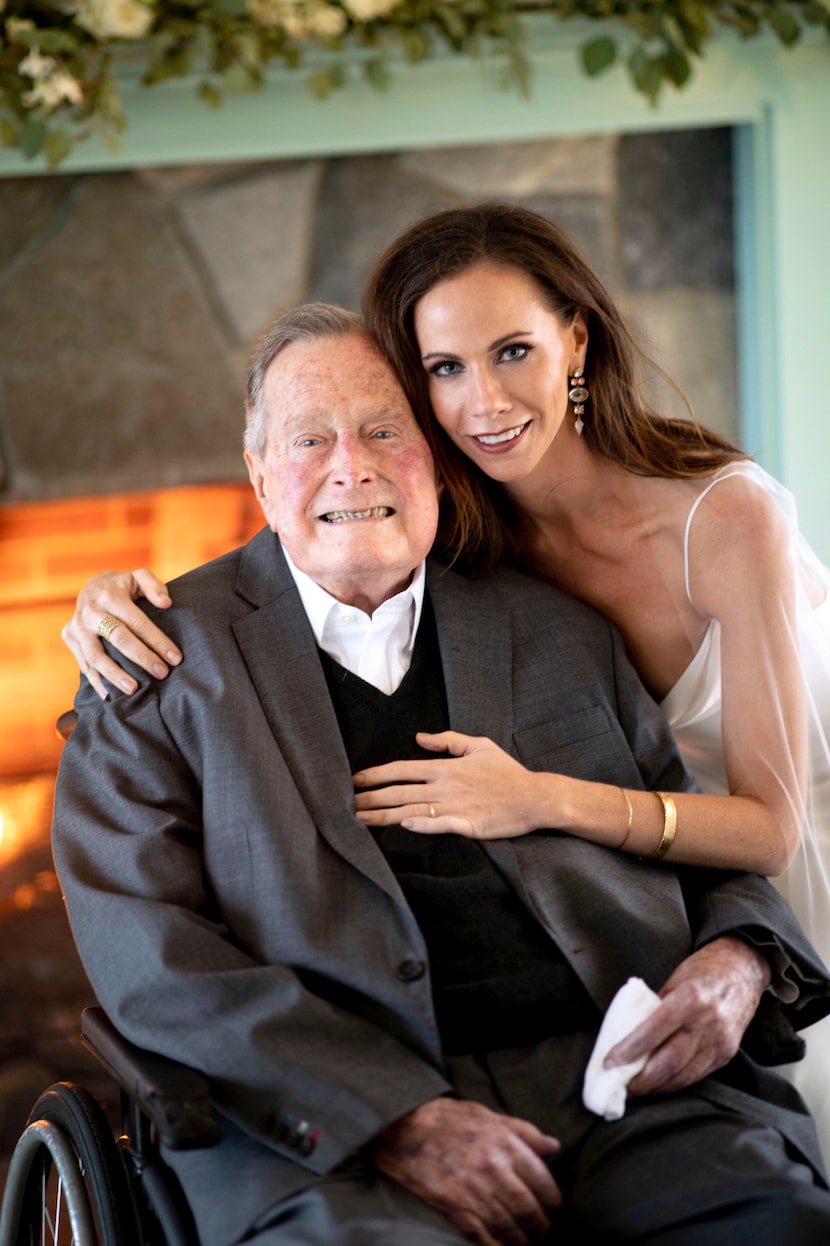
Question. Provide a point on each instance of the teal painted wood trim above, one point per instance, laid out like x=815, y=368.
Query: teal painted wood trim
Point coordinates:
x=448, y=99
x=757, y=361
x=782, y=185
x=799, y=205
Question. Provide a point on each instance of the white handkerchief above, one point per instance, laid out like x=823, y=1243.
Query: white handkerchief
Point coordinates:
x=604, y=1090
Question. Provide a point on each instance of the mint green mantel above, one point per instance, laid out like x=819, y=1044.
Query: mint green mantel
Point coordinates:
x=777, y=99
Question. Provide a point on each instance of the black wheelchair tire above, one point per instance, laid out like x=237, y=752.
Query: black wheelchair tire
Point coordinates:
x=77, y=1115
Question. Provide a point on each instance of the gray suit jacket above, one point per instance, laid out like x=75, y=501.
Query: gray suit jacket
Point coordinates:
x=233, y=914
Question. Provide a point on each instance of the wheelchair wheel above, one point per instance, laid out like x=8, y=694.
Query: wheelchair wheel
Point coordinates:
x=66, y=1184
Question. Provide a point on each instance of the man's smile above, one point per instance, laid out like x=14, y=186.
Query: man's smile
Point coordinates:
x=371, y=512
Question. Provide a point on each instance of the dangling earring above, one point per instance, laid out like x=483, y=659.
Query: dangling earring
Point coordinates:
x=578, y=394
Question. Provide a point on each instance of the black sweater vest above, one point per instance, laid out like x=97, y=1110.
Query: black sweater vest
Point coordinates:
x=498, y=980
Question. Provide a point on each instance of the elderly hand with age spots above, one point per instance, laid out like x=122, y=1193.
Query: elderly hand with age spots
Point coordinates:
x=483, y=1170
x=707, y=1003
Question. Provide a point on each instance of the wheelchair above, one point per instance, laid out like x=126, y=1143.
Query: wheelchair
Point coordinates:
x=71, y=1182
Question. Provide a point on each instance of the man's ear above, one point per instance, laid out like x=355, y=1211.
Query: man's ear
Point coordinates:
x=256, y=472
x=257, y=476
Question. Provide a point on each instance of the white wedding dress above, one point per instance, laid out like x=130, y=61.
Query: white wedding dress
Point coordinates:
x=693, y=707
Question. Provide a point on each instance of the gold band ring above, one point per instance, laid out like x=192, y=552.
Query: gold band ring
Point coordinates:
x=432, y=811
x=107, y=626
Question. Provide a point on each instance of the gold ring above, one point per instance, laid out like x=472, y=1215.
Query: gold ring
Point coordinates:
x=107, y=626
x=432, y=811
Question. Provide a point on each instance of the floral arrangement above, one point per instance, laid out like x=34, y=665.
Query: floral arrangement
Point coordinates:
x=57, y=57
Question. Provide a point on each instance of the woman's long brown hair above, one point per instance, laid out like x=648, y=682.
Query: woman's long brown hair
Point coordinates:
x=476, y=514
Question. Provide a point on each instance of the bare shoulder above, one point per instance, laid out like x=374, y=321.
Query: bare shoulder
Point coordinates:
x=739, y=543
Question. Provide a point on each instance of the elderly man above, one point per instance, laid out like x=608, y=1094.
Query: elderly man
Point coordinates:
x=396, y=1026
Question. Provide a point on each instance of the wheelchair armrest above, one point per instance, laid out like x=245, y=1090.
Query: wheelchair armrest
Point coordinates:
x=66, y=724
x=175, y=1098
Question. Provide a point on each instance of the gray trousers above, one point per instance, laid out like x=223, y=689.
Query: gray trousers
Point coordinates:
x=681, y=1171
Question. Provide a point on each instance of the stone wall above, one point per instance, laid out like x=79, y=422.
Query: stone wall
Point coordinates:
x=129, y=302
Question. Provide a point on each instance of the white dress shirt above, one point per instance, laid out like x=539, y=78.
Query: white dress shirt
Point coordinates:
x=376, y=647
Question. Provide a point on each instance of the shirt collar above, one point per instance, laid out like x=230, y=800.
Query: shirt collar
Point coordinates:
x=319, y=605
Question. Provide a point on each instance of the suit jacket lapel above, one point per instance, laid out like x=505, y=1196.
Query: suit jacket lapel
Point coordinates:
x=476, y=656
x=280, y=653
x=476, y=643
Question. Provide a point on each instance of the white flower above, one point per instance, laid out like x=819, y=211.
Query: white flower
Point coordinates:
x=52, y=86
x=298, y=18
x=115, y=19
x=367, y=10
x=36, y=66
x=327, y=20
x=294, y=20
x=53, y=90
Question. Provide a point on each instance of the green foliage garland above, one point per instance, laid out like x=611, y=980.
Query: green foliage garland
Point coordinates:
x=57, y=84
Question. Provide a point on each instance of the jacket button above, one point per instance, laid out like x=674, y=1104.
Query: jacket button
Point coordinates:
x=411, y=970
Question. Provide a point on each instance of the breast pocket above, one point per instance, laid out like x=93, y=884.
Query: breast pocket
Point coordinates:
x=579, y=744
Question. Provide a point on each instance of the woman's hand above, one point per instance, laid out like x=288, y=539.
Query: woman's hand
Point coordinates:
x=113, y=593
x=478, y=791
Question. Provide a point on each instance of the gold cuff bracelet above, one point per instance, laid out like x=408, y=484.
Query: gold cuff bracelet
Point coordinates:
x=669, y=827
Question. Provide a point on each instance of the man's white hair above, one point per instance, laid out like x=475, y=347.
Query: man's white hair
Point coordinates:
x=308, y=323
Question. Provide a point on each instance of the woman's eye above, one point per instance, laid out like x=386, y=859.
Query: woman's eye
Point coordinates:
x=448, y=368
x=517, y=350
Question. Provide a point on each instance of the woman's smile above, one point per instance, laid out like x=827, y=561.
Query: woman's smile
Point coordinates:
x=499, y=443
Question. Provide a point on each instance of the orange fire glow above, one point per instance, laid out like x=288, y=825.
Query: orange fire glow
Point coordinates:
x=47, y=551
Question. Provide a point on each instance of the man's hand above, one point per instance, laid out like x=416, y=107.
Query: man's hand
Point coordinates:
x=484, y=1171
x=114, y=593
x=708, y=1002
